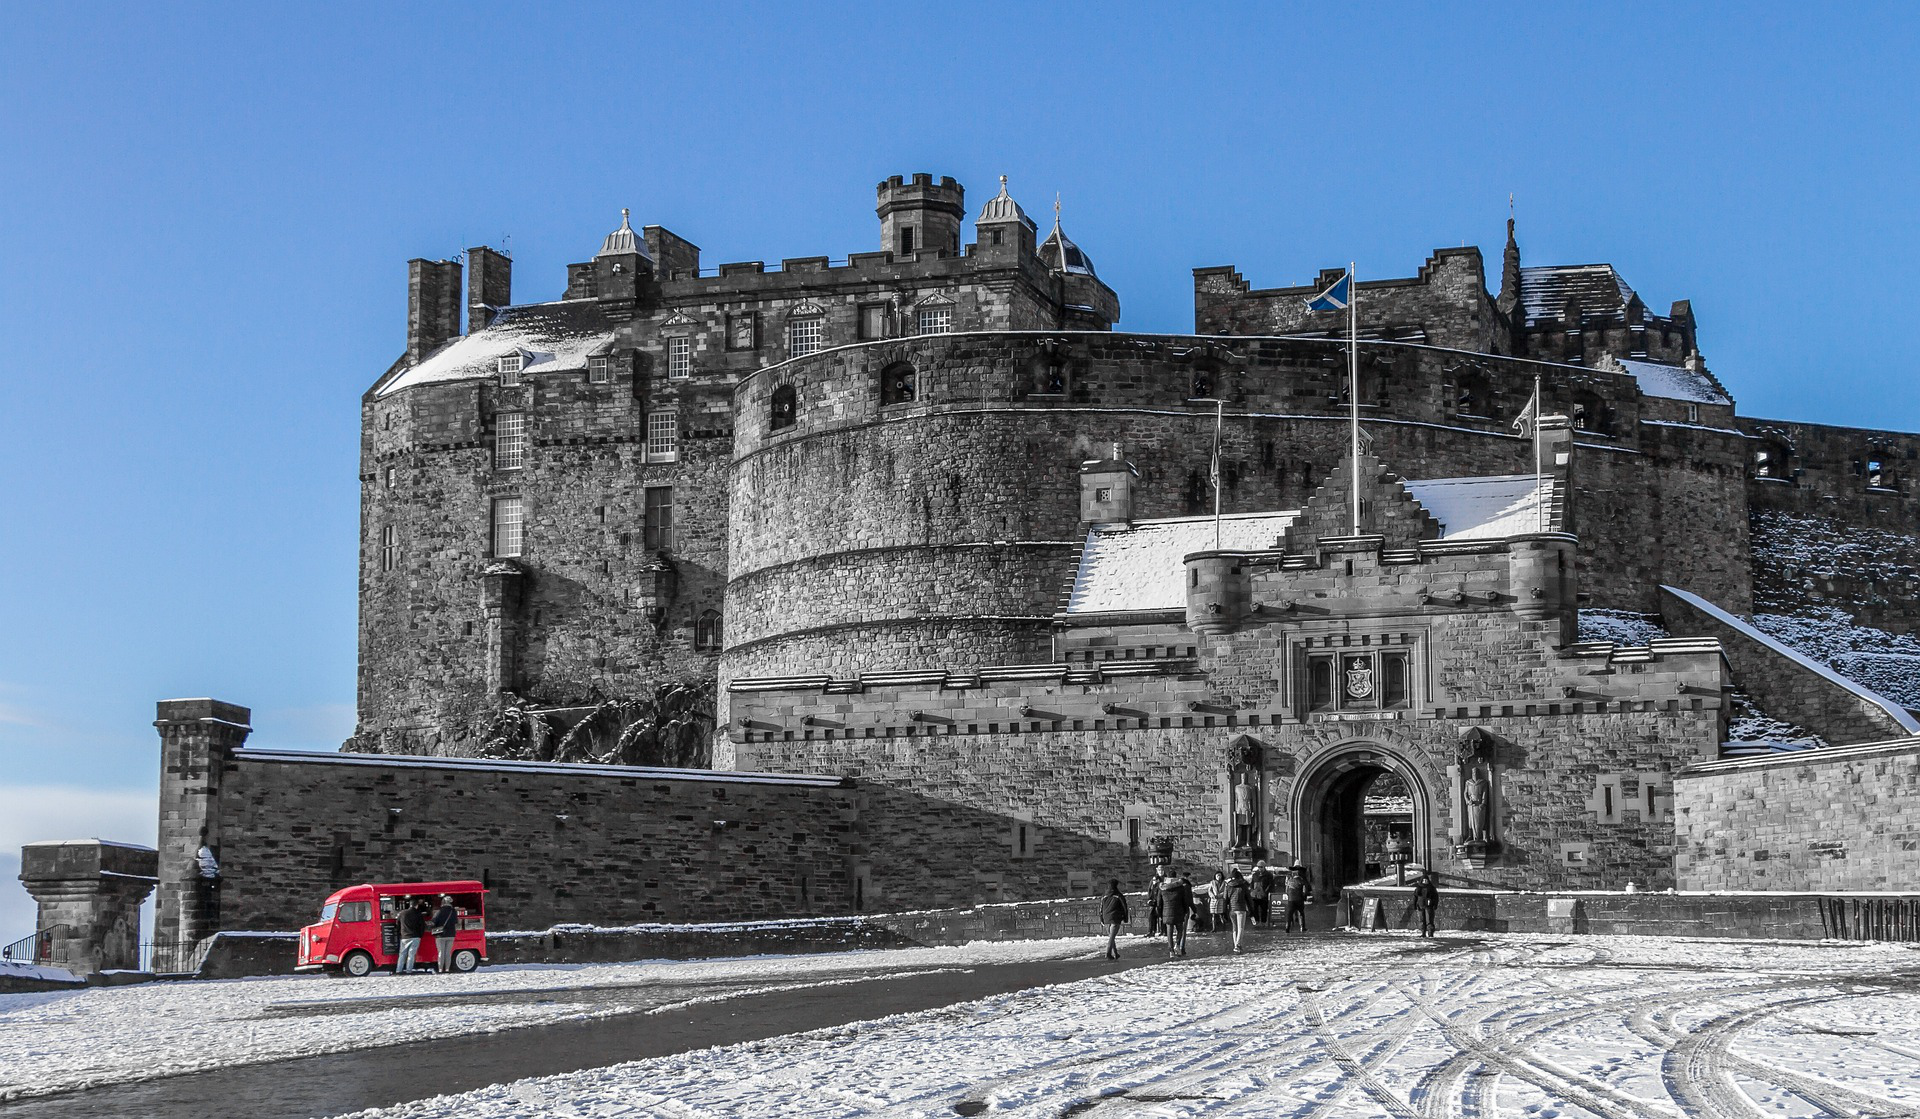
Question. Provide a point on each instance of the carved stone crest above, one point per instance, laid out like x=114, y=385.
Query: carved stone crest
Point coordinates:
x=1359, y=677
x=1476, y=746
x=1243, y=751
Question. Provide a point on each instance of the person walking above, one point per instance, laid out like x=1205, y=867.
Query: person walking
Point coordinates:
x=1217, y=901
x=1239, y=905
x=1153, y=903
x=446, y=923
x=1298, y=885
x=1113, y=914
x=1176, y=898
x=1260, y=889
x=1426, y=899
x=1196, y=912
x=413, y=926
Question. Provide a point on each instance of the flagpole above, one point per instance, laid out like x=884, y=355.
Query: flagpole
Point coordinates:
x=1539, y=499
x=1353, y=384
x=1219, y=419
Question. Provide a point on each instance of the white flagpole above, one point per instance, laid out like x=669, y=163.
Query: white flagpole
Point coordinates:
x=1219, y=418
x=1353, y=384
x=1539, y=498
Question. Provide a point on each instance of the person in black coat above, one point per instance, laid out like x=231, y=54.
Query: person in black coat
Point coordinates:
x=1426, y=899
x=1261, y=890
x=1113, y=914
x=1153, y=903
x=1298, y=885
x=1176, y=899
x=413, y=926
x=1239, y=905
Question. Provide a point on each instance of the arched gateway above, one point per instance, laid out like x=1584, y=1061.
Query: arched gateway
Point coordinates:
x=1346, y=804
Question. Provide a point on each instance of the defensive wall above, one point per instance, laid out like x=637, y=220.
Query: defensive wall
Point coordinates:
x=1840, y=819
x=1836, y=914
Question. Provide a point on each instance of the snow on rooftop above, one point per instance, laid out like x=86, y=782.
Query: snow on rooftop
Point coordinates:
x=1491, y=508
x=553, y=337
x=1142, y=568
x=1544, y=291
x=1673, y=382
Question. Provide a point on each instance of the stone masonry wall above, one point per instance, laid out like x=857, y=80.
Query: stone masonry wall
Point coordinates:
x=1840, y=819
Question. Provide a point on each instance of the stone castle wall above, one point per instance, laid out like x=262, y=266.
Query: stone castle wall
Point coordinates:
x=1833, y=820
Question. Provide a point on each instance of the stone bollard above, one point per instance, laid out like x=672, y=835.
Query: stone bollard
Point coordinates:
x=89, y=892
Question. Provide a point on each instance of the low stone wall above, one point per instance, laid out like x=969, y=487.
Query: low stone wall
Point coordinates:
x=1766, y=916
x=1783, y=682
x=1838, y=819
x=232, y=955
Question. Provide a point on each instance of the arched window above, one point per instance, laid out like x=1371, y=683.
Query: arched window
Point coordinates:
x=1773, y=459
x=706, y=630
x=897, y=385
x=781, y=409
x=1475, y=397
x=1203, y=384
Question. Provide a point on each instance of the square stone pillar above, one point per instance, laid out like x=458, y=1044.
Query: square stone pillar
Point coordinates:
x=197, y=737
x=89, y=892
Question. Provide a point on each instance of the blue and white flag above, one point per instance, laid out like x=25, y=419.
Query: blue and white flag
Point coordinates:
x=1334, y=298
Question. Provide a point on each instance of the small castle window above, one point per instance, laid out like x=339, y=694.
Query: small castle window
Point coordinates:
x=1474, y=397
x=1693, y=413
x=1877, y=476
x=510, y=366
x=898, y=384
x=509, y=440
x=508, y=517
x=679, y=358
x=389, y=477
x=1103, y=493
x=782, y=408
x=873, y=321
x=658, y=534
x=600, y=369
x=663, y=437
x=804, y=336
x=1202, y=388
x=743, y=331
x=996, y=237
x=389, y=548
x=706, y=630
x=906, y=240
x=935, y=320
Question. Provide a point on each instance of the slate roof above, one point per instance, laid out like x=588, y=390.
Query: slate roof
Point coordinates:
x=1602, y=293
x=1062, y=255
x=1674, y=382
x=554, y=337
x=1142, y=568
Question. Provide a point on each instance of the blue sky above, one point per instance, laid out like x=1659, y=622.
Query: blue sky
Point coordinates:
x=209, y=211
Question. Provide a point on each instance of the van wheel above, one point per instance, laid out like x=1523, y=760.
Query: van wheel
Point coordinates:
x=466, y=959
x=357, y=964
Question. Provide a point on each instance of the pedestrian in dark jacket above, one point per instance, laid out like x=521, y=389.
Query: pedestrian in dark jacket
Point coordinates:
x=1153, y=903
x=1113, y=914
x=413, y=926
x=1196, y=907
x=1239, y=905
x=1176, y=898
x=1298, y=885
x=446, y=923
x=1261, y=889
x=1426, y=899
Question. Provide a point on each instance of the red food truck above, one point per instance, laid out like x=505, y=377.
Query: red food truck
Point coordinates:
x=359, y=927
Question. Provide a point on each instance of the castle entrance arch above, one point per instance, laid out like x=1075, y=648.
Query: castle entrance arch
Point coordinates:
x=1346, y=806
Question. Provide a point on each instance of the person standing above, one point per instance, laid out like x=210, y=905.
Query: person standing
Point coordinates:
x=1239, y=905
x=1176, y=897
x=1299, y=887
x=1196, y=912
x=413, y=926
x=446, y=923
x=1426, y=899
x=1153, y=903
x=1261, y=891
x=1113, y=914
x=1217, y=900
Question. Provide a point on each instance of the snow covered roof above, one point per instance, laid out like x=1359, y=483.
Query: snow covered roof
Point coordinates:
x=553, y=337
x=1142, y=567
x=1674, y=382
x=1544, y=291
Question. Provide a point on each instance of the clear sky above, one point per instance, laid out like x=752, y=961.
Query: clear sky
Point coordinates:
x=209, y=209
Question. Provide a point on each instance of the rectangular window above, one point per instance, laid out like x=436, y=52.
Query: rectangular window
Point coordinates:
x=743, y=331
x=1693, y=413
x=389, y=548
x=1320, y=684
x=659, y=527
x=804, y=336
x=600, y=369
x=873, y=321
x=510, y=366
x=507, y=513
x=1395, y=690
x=679, y=358
x=663, y=437
x=509, y=440
x=936, y=320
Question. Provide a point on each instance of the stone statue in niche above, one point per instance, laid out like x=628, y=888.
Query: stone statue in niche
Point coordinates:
x=1245, y=799
x=1246, y=812
x=1474, y=793
x=1476, y=789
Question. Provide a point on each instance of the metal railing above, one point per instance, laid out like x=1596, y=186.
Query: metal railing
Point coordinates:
x=1871, y=918
x=173, y=957
x=36, y=948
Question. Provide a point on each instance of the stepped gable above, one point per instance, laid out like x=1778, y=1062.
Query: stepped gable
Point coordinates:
x=1387, y=509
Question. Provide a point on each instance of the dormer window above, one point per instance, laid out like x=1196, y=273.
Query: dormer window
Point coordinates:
x=600, y=369
x=510, y=366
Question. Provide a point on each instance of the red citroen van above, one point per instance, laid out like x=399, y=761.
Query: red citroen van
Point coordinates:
x=359, y=928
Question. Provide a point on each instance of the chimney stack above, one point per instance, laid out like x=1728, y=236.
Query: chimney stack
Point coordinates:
x=433, y=306
x=489, y=286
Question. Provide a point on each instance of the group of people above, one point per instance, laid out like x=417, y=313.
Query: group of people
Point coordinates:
x=1229, y=903
x=415, y=920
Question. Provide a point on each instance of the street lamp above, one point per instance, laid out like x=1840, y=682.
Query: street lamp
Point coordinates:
x=1399, y=853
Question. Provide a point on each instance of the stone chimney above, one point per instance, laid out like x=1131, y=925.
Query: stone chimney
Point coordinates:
x=489, y=285
x=433, y=306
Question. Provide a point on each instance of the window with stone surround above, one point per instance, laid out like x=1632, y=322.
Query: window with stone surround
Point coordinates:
x=679, y=358
x=706, y=630
x=898, y=384
x=510, y=366
x=509, y=440
x=743, y=331
x=783, y=408
x=804, y=336
x=663, y=437
x=657, y=534
x=389, y=548
x=935, y=320
x=508, y=518
x=599, y=369
x=1359, y=680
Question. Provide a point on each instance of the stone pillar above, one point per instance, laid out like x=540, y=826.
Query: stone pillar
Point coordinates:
x=500, y=599
x=89, y=892
x=197, y=737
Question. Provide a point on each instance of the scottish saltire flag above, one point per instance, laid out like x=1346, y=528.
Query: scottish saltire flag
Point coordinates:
x=1334, y=298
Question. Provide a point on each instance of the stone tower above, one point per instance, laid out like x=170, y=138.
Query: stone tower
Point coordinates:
x=921, y=214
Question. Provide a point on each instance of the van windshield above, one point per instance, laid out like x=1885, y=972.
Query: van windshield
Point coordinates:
x=326, y=912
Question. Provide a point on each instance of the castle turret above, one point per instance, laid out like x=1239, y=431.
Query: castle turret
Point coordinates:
x=1089, y=304
x=921, y=214
x=1004, y=230
x=1106, y=490
x=620, y=267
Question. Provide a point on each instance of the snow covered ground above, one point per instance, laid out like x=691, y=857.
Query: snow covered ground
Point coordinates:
x=54, y=1041
x=1342, y=1026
